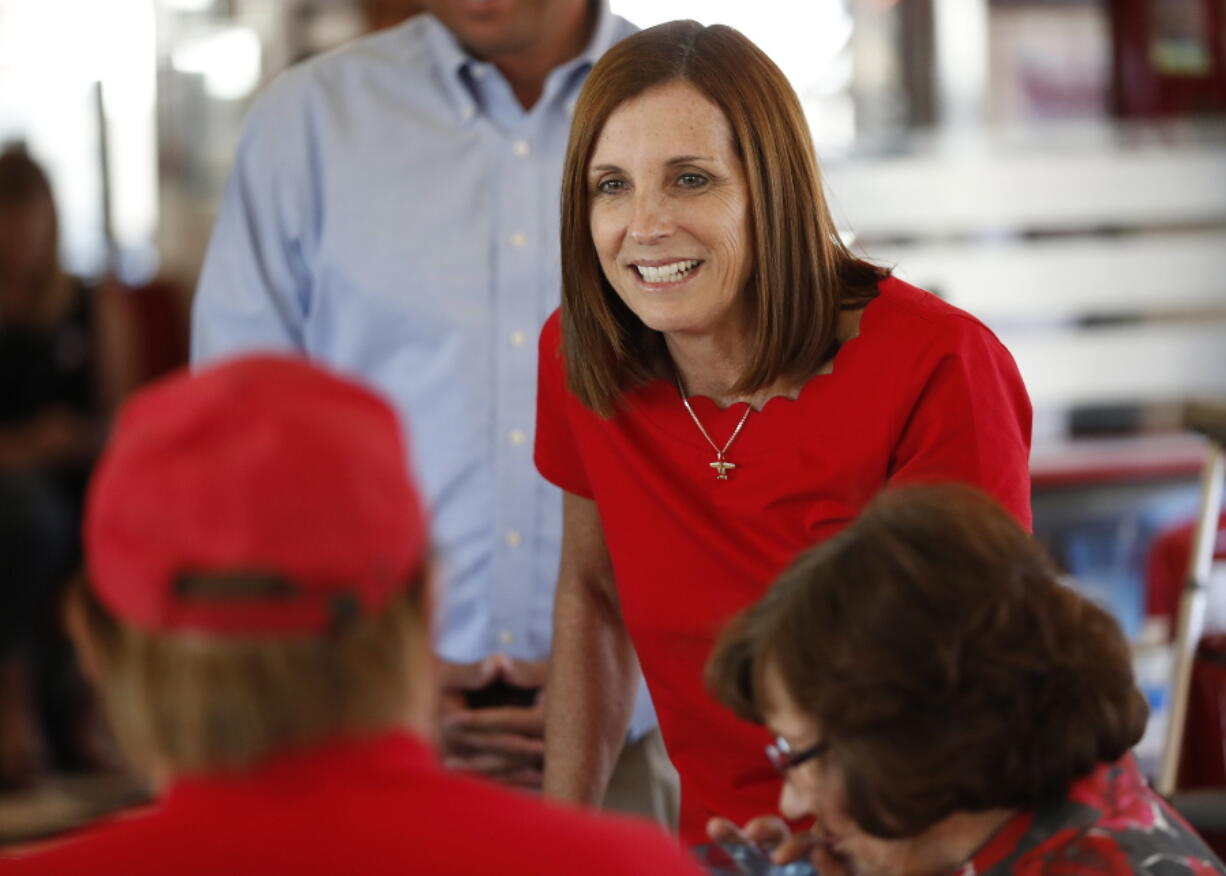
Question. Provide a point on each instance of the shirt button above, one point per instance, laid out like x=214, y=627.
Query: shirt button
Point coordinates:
x=514, y=539
x=467, y=112
x=518, y=338
x=519, y=240
x=506, y=637
x=516, y=437
x=520, y=148
x=478, y=71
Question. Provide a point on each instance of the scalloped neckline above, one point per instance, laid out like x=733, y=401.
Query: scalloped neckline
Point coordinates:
x=840, y=355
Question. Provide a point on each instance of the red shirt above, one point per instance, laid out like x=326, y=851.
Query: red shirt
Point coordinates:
x=373, y=807
x=925, y=392
x=1109, y=824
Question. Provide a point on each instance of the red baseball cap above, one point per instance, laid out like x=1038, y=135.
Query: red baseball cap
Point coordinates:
x=264, y=469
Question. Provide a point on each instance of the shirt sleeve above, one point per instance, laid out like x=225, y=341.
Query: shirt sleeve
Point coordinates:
x=255, y=284
x=557, y=454
x=970, y=421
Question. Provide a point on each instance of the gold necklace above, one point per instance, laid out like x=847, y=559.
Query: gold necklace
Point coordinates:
x=721, y=465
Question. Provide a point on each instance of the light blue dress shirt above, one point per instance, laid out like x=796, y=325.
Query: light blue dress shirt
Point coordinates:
x=393, y=212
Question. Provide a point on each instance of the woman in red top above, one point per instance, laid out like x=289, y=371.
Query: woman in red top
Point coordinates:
x=725, y=386
x=946, y=706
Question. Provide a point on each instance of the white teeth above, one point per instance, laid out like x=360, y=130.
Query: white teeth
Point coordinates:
x=666, y=273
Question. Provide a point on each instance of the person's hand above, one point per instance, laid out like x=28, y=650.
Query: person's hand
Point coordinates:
x=771, y=834
x=505, y=743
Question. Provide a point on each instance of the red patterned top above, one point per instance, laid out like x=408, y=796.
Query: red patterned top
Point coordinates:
x=1111, y=823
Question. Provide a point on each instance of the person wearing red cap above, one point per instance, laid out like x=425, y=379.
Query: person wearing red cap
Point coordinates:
x=256, y=619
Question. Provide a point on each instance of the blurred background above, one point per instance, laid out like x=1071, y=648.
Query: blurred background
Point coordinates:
x=1057, y=167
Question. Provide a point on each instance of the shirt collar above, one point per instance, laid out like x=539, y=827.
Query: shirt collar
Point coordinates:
x=604, y=35
x=452, y=60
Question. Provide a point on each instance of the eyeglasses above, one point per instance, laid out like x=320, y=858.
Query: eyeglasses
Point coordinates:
x=782, y=758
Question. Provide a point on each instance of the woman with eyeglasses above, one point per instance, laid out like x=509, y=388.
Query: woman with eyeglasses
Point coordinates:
x=943, y=704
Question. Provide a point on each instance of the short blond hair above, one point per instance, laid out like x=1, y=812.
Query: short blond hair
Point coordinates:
x=191, y=702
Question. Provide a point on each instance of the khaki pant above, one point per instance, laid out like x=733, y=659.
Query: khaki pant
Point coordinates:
x=645, y=783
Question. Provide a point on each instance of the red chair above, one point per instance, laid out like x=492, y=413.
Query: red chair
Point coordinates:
x=142, y=334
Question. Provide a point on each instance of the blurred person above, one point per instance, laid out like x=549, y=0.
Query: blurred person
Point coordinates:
x=51, y=418
x=943, y=704
x=724, y=386
x=392, y=212
x=255, y=613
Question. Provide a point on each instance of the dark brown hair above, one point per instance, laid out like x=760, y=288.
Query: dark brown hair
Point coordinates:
x=945, y=662
x=802, y=273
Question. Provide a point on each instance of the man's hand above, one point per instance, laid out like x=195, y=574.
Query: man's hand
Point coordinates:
x=506, y=742
x=771, y=834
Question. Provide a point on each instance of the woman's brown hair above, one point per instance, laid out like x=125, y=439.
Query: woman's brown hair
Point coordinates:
x=195, y=703
x=802, y=272
x=945, y=662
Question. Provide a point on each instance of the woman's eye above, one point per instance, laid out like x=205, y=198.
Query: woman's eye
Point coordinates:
x=610, y=186
x=691, y=180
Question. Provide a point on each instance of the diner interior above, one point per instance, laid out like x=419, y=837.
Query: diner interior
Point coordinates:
x=1056, y=167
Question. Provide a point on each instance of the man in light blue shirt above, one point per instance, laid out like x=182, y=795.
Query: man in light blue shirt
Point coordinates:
x=393, y=213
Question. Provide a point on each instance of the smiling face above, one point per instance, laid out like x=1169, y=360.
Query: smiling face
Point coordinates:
x=670, y=212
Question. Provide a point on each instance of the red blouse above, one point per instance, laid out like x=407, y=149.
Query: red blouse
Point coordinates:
x=925, y=392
